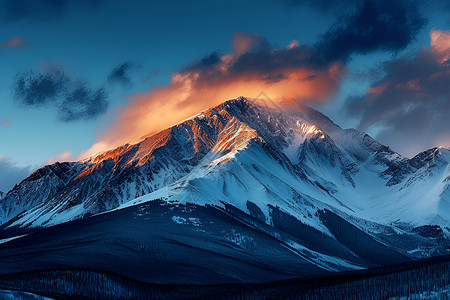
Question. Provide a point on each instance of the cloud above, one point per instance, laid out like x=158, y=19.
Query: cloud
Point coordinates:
x=53, y=87
x=42, y=10
x=11, y=174
x=15, y=42
x=207, y=61
x=150, y=76
x=376, y=25
x=5, y=122
x=122, y=74
x=33, y=88
x=410, y=105
x=83, y=103
x=300, y=71
x=252, y=66
x=65, y=156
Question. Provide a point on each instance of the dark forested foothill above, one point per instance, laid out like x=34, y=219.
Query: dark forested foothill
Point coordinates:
x=428, y=278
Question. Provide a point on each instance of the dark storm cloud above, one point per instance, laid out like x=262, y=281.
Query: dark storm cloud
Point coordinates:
x=39, y=10
x=73, y=99
x=376, y=25
x=122, y=74
x=412, y=101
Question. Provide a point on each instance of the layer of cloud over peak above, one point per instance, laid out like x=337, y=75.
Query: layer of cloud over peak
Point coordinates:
x=65, y=156
x=300, y=71
x=73, y=99
x=252, y=66
x=411, y=103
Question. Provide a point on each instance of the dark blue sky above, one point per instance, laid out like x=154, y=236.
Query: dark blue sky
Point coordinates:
x=73, y=72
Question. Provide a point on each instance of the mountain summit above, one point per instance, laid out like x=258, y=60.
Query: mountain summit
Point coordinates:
x=336, y=199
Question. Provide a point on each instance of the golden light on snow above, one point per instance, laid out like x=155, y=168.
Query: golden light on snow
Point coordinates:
x=190, y=92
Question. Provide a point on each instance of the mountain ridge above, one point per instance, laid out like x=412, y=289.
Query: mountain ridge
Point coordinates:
x=140, y=152
x=263, y=163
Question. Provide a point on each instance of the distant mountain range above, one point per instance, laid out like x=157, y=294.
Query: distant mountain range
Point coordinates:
x=247, y=191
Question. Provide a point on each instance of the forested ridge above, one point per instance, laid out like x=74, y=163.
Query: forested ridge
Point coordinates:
x=429, y=277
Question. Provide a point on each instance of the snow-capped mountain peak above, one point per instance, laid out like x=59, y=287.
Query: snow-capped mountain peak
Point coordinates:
x=258, y=156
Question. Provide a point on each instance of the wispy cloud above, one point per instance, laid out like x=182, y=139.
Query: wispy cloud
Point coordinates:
x=411, y=103
x=65, y=156
x=5, y=122
x=122, y=74
x=73, y=99
x=15, y=42
x=150, y=76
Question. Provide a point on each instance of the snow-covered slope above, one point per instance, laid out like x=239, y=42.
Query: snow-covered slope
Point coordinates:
x=421, y=188
x=303, y=141
x=280, y=164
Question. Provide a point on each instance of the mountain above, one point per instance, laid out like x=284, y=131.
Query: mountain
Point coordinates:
x=247, y=191
x=110, y=179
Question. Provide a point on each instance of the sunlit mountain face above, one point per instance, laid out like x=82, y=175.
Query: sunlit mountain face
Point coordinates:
x=260, y=191
x=247, y=150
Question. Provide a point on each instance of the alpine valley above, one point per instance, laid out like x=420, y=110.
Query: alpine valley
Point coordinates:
x=248, y=191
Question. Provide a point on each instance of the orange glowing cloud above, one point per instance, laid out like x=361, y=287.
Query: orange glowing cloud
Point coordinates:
x=250, y=68
x=376, y=89
x=440, y=44
x=412, y=85
x=65, y=156
x=245, y=42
